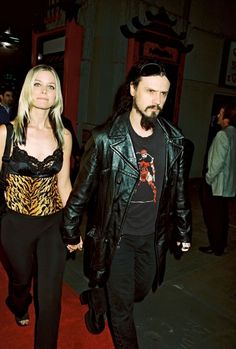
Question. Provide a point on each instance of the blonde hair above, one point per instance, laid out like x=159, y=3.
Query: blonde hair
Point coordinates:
x=25, y=102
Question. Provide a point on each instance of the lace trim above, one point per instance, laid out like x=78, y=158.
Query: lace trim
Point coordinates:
x=34, y=163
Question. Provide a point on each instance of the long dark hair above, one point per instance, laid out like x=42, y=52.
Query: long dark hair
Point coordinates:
x=123, y=101
x=230, y=113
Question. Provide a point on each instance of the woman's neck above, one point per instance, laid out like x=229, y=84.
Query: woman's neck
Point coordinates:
x=39, y=119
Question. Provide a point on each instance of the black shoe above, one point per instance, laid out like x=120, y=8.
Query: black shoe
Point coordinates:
x=23, y=320
x=95, y=323
x=206, y=249
x=219, y=253
x=95, y=317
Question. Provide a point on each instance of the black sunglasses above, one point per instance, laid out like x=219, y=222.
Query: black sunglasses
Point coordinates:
x=148, y=69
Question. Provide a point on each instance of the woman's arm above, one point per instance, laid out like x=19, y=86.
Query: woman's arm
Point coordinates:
x=64, y=183
x=3, y=135
x=85, y=184
x=63, y=177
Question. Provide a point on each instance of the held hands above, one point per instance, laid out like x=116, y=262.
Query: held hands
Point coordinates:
x=79, y=246
x=185, y=246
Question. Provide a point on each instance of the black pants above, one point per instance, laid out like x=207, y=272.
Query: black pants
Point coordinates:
x=132, y=273
x=216, y=217
x=33, y=247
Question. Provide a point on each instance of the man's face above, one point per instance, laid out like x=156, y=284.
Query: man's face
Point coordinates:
x=7, y=98
x=220, y=119
x=150, y=95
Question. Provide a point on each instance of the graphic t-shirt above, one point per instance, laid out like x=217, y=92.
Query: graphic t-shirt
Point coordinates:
x=142, y=211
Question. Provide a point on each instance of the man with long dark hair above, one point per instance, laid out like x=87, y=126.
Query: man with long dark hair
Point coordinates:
x=134, y=169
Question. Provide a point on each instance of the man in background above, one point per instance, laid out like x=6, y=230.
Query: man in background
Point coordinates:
x=220, y=181
x=6, y=105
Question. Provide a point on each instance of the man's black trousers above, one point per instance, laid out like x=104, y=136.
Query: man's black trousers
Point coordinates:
x=132, y=274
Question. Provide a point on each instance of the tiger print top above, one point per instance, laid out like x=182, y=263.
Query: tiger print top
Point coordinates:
x=32, y=184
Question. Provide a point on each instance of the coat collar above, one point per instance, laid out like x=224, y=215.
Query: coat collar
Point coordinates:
x=121, y=141
x=120, y=128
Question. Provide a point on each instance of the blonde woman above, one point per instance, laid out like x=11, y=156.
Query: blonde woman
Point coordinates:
x=38, y=185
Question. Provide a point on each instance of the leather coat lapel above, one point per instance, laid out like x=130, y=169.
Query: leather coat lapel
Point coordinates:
x=174, y=149
x=121, y=142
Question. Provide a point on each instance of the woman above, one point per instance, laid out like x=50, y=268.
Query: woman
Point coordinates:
x=38, y=185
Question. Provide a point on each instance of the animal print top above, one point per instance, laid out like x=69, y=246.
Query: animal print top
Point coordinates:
x=32, y=184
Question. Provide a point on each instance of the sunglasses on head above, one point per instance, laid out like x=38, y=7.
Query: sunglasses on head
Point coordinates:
x=148, y=69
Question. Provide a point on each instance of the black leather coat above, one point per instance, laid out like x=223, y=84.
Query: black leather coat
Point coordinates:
x=107, y=178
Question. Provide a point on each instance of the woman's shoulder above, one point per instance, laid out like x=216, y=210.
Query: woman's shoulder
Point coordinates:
x=67, y=134
x=2, y=128
x=67, y=138
x=3, y=132
x=3, y=135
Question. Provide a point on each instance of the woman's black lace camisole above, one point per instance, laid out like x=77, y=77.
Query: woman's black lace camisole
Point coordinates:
x=32, y=184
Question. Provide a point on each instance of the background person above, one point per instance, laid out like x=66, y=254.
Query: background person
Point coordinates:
x=140, y=203
x=38, y=185
x=6, y=105
x=220, y=182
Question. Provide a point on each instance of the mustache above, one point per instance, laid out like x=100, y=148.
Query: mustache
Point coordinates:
x=154, y=106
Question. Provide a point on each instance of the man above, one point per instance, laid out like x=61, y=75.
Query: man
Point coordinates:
x=139, y=215
x=6, y=98
x=214, y=127
x=220, y=182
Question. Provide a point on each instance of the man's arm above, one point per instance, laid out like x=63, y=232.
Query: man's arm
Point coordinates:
x=183, y=217
x=217, y=156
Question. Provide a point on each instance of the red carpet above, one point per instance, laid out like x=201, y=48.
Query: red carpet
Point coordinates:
x=72, y=335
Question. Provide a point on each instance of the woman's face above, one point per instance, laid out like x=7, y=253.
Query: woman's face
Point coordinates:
x=44, y=90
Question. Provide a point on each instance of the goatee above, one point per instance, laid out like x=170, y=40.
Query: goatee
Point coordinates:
x=148, y=122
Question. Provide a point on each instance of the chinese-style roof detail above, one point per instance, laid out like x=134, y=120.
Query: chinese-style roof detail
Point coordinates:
x=159, y=30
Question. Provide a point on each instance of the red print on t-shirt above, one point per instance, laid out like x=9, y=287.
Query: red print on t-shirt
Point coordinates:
x=147, y=171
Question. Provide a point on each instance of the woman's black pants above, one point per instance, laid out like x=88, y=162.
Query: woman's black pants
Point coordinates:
x=34, y=249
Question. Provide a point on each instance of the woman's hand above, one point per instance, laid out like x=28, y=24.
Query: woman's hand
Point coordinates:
x=79, y=246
